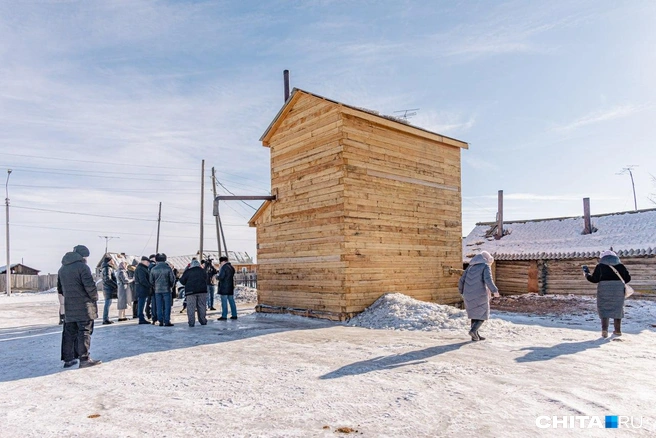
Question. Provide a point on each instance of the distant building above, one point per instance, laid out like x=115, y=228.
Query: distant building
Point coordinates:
x=20, y=269
x=239, y=260
x=546, y=255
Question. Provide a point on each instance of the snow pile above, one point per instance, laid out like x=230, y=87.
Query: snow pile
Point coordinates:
x=396, y=311
x=245, y=294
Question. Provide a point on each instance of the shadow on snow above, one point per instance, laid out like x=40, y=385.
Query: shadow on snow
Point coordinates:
x=391, y=362
x=35, y=350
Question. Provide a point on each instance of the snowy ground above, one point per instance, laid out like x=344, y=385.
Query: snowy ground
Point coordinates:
x=284, y=376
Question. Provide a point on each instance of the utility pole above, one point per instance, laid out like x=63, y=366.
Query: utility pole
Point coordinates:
x=216, y=218
x=225, y=247
x=107, y=239
x=159, y=221
x=629, y=170
x=202, y=205
x=8, y=271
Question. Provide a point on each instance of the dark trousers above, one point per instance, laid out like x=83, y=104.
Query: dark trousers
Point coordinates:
x=617, y=324
x=135, y=312
x=476, y=324
x=164, y=307
x=141, y=304
x=76, y=340
x=151, y=307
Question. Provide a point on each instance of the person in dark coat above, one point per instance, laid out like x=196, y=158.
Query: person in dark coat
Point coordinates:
x=194, y=280
x=135, y=300
x=110, y=287
x=75, y=282
x=151, y=304
x=162, y=279
x=142, y=287
x=475, y=286
x=210, y=273
x=226, y=279
x=610, y=290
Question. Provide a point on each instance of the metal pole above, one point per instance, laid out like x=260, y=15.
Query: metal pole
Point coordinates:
x=635, y=202
x=202, y=205
x=8, y=253
x=216, y=218
x=159, y=220
x=107, y=239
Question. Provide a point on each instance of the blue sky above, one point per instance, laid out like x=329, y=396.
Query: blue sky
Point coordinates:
x=107, y=108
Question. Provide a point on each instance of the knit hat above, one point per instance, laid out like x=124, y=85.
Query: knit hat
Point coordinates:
x=608, y=252
x=82, y=250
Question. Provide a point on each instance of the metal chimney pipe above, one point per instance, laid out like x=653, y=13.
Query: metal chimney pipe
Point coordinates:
x=499, y=233
x=586, y=216
x=285, y=75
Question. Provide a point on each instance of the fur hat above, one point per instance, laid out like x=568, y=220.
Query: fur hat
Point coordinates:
x=82, y=250
x=195, y=264
x=608, y=252
x=145, y=259
x=160, y=257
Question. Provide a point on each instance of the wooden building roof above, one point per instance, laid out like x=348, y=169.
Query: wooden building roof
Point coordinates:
x=391, y=122
x=630, y=234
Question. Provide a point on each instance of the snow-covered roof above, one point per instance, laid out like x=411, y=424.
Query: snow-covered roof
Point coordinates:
x=235, y=257
x=628, y=233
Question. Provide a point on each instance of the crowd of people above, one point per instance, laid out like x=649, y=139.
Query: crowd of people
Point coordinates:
x=148, y=287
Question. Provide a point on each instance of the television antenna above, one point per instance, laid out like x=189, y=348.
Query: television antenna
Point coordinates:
x=404, y=114
x=629, y=169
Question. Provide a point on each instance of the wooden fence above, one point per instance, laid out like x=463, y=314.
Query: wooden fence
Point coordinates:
x=248, y=279
x=20, y=283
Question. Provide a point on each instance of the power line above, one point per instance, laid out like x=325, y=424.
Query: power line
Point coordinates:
x=93, y=162
x=113, y=217
x=39, y=227
x=102, y=176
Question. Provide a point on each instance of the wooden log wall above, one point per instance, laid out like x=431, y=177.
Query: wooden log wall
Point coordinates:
x=512, y=277
x=300, y=236
x=566, y=276
x=403, y=215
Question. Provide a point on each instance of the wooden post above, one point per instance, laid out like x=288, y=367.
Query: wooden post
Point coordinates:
x=499, y=233
x=202, y=205
x=225, y=247
x=159, y=221
x=216, y=218
x=586, y=216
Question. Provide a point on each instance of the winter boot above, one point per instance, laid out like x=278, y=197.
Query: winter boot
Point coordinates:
x=70, y=363
x=480, y=338
x=89, y=363
x=474, y=335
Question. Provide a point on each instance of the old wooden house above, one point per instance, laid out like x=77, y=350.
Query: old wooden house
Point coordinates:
x=546, y=255
x=366, y=204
